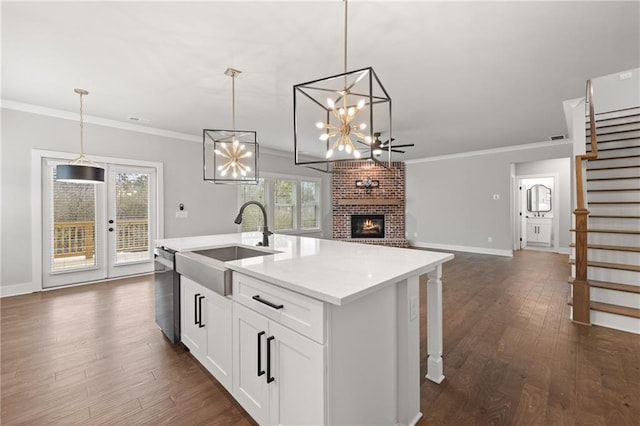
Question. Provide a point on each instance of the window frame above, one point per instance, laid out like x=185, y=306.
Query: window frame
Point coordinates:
x=269, y=196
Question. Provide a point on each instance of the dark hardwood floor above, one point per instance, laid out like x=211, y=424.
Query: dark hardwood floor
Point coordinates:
x=93, y=355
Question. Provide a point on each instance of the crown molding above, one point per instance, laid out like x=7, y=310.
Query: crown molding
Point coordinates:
x=66, y=115
x=521, y=147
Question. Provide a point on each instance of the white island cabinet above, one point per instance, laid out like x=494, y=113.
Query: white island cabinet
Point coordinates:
x=206, y=329
x=323, y=332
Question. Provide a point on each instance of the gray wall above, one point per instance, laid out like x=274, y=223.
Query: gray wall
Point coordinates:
x=561, y=166
x=211, y=207
x=450, y=200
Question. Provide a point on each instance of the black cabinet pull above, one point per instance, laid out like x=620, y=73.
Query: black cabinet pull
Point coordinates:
x=200, y=311
x=266, y=302
x=110, y=229
x=270, y=378
x=195, y=308
x=260, y=370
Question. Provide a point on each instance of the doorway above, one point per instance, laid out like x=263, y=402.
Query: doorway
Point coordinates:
x=92, y=232
x=537, y=228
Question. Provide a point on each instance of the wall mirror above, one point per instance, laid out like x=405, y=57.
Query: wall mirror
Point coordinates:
x=539, y=199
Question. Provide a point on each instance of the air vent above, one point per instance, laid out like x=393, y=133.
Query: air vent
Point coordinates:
x=138, y=120
x=557, y=138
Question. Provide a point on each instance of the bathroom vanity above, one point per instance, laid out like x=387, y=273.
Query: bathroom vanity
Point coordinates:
x=316, y=331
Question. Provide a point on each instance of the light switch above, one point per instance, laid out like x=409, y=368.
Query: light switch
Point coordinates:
x=496, y=196
x=182, y=214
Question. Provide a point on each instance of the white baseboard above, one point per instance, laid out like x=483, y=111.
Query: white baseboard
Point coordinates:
x=467, y=249
x=17, y=289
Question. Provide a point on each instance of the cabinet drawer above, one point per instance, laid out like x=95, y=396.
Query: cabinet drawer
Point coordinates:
x=296, y=311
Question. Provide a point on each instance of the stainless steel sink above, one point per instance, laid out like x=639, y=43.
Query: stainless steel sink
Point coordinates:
x=225, y=254
x=207, y=267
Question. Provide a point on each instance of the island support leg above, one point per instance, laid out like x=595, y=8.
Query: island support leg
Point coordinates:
x=434, y=322
x=408, y=315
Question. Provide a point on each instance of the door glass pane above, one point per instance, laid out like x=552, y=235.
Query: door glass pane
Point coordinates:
x=310, y=200
x=74, y=223
x=132, y=217
x=284, y=196
x=252, y=219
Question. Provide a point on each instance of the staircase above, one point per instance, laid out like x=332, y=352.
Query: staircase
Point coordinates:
x=612, y=199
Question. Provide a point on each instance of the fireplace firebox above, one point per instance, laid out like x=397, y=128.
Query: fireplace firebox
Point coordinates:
x=367, y=226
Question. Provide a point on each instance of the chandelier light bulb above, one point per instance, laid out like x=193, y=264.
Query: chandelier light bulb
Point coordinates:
x=320, y=125
x=361, y=104
x=324, y=136
x=330, y=103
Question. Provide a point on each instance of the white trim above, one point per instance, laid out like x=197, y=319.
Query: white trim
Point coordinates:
x=66, y=115
x=36, y=202
x=535, y=145
x=467, y=249
x=16, y=289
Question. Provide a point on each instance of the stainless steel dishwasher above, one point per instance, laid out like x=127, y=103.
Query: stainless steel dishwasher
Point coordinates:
x=167, y=293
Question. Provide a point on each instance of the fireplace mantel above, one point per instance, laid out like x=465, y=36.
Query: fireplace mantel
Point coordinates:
x=369, y=202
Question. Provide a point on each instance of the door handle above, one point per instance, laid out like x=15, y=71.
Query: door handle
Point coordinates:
x=195, y=308
x=200, y=310
x=270, y=378
x=260, y=370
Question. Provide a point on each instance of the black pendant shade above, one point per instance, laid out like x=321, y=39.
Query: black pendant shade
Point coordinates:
x=79, y=174
x=80, y=170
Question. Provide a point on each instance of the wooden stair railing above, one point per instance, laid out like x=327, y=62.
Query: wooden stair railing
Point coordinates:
x=581, y=290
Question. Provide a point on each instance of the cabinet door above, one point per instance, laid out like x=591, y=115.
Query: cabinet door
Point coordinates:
x=544, y=233
x=532, y=232
x=217, y=320
x=191, y=299
x=250, y=388
x=297, y=369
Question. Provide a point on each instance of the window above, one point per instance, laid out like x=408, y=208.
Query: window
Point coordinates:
x=292, y=204
x=252, y=217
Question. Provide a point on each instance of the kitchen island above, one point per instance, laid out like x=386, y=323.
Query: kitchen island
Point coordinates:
x=321, y=331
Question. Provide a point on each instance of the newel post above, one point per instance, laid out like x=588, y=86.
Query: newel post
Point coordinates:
x=581, y=293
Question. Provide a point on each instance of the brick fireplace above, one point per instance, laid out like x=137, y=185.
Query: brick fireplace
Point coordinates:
x=368, y=192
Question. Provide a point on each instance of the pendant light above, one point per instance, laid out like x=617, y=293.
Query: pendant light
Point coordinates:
x=334, y=116
x=230, y=156
x=80, y=170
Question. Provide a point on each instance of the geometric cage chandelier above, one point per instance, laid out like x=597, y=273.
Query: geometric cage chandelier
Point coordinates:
x=230, y=156
x=335, y=117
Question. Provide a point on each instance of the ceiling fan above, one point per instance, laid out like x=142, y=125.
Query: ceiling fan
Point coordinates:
x=377, y=146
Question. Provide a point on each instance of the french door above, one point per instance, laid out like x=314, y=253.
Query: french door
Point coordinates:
x=92, y=232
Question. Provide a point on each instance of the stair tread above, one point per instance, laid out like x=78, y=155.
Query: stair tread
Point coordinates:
x=610, y=247
x=614, y=216
x=615, y=202
x=612, y=309
x=613, y=178
x=620, y=157
x=615, y=140
x=612, y=286
x=614, y=167
x=610, y=231
x=613, y=190
x=609, y=265
x=605, y=126
x=618, y=148
x=615, y=132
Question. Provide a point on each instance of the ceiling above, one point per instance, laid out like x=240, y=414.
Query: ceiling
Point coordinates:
x=463, y=76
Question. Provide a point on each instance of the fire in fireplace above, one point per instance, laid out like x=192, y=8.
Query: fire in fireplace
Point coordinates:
x=367, y=226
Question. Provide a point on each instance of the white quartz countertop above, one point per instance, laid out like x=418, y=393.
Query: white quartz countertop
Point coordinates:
x=331, y=271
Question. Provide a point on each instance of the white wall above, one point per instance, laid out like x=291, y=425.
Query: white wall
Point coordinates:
x=211, y=207
x=616, y=91
x=450, y=201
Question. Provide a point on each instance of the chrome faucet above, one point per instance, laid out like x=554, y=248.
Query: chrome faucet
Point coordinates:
x=265, y=228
